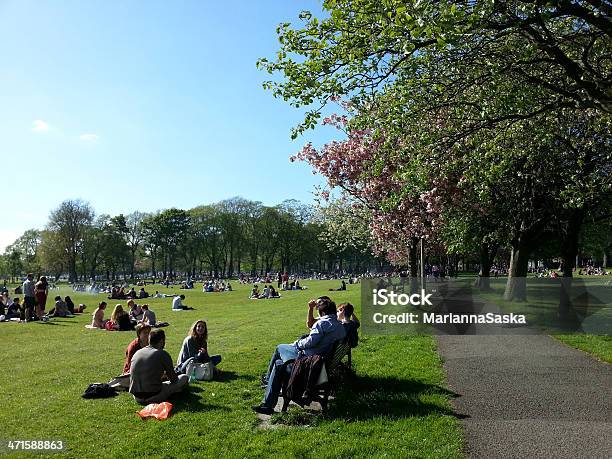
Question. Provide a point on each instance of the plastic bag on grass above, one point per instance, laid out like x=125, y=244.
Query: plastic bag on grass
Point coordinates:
x=156, y=410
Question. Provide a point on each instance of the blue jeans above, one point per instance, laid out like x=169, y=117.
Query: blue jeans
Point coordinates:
x=182, y=368
x=274, y=377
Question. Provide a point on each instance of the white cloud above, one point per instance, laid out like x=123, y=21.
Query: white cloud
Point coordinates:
x=89, y=137
x=40, y=126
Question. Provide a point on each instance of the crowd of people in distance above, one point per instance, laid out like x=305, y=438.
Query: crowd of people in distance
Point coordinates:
x=216, y=286
x=593, y=271
x=187, y=285
x=268, y=292
x=550, y=273
x=34, y=303
x=119, y=293
x=152, y=376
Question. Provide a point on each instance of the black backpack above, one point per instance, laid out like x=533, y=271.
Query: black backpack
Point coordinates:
x=98, y=390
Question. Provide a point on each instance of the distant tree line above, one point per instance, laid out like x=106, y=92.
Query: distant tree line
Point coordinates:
x=222, y=239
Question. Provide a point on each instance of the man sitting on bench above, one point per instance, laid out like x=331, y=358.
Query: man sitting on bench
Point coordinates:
x=323, y=334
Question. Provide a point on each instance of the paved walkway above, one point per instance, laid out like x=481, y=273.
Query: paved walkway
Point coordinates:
x=529, y=396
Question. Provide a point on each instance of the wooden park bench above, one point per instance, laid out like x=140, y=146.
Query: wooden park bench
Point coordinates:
x=333, y=366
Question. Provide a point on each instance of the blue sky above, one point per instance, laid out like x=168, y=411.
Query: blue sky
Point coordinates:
x=143, y=105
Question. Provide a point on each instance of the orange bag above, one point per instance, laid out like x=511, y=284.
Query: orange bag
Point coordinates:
x=156, y=410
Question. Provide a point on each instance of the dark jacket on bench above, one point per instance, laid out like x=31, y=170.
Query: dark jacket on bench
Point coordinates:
x=303, y=379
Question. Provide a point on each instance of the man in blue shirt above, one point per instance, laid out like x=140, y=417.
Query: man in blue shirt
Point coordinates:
x=323, y=334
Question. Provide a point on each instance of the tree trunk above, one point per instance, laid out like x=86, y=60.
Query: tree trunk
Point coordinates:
x=230, y=267
x=487, y=255
x=414, y=272
x=516, y=286
x=72, y=274
x=569, y=251
x=153, y=266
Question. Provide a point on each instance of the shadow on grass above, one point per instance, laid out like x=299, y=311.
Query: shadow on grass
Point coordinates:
x=367, y=397
x=225, y=376
x=191, y=401
x=362, y=398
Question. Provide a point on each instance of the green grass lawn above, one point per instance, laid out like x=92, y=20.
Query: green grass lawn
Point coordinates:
x=599, y=346
x=395, y=406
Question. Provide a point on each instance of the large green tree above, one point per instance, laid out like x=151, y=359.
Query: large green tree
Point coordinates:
x=69, y=221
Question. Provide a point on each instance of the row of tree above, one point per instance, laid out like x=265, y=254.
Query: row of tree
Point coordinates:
x=475, y=125
x=222, y=239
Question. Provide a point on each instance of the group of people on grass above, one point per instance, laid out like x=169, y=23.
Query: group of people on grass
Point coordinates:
x=267, y=292
x=593, y=271
x=119, y=293
x=126, y=319
x=34, y=303
x=123, y=319
x=152, y=376
x=216, y=286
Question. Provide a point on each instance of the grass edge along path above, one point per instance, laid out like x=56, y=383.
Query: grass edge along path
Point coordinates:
x=597, y=346
x=396, y=405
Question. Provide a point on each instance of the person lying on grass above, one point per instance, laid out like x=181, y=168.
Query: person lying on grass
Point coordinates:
x=339, y=289
x=323, y=334
x=195, y=348
x=149, y=365
x=72, y=309
x=142, y=340
x=98, y=316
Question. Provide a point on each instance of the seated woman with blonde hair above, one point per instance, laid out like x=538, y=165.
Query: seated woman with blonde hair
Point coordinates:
x=120, y=320
x=195, y=348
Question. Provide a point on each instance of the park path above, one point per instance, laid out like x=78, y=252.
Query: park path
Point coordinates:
x=524, y=396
